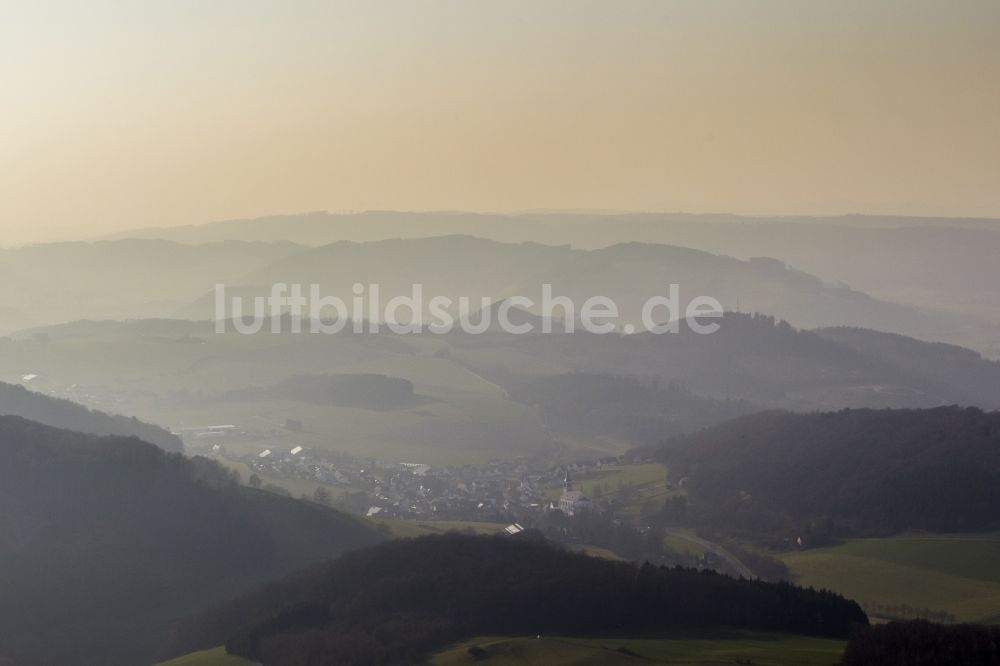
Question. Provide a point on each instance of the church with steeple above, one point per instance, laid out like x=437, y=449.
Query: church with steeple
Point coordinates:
x=572, y=501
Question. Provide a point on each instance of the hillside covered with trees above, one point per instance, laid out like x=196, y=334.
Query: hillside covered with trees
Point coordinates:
x=923, y=643
x=15, y=400
x=632, y=408
x=106, y=541
x=397, y=602
x=757, y=359
x=781, y=476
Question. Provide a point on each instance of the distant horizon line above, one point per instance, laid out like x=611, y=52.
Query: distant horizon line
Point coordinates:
x=514, y=213
x=603, y=212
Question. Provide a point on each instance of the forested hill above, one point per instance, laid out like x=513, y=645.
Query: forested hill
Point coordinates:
x=396, y=602
x=16, y=400
x=852, y=472
x=754, y=358
x=106, y=541
x=962, y=373
x=634, y=408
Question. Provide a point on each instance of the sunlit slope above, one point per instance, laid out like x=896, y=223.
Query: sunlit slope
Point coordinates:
x=710, y=647
x=216, y=657
x=956, y=575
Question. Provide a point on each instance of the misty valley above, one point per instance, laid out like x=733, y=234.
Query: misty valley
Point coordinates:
x=195, y=485
x=500, y=333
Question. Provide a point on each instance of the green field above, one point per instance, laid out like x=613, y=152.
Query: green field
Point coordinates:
x=630, y=485
x=720, y=647
x=216, y=657
x=597, y=551
x=609, y=479
x=716, y=647
x=956, y=574
x=678, y=543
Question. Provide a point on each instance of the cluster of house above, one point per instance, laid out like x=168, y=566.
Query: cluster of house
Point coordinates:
x=466, y=494
x=496, y=491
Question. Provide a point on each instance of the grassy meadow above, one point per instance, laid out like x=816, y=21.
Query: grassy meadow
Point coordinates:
x=712, y=647
x=631, y=486
x=956, y=574
x=216, y=657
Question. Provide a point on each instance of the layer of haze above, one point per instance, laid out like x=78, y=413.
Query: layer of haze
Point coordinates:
x=126, y=114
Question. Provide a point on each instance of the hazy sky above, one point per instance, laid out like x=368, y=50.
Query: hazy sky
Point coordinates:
x=126, y=114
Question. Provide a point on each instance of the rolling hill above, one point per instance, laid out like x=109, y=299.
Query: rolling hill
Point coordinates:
x=626, y=407
x=946, y=577
x=628, y=273
x=362, y=391
x=971, y=379
x=52, y=283
x=59, y=282
x=402, y=600
x=938, y=264
x=678, y=648
x=109, y=541
x=15, y=400
x=780, y=477
x=486, y=396
x=755, y=358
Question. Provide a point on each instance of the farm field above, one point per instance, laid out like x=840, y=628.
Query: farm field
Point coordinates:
x=690, y=546
x=630, y=485
x=216, y=657
x=695, y=648
x=953, y=574
x=597, y=551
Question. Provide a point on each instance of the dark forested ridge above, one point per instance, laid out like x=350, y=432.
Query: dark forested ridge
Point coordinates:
x=780, y=475
x=16, y=400
x=108, y=540
x=627, y=272
x=962, y=373
x=754, y=358
x=930, y=262
x=633, y=408
x=922, y=643
x=396, y=602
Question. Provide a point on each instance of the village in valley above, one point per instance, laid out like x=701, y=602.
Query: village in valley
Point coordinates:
x=610, y=506
x=491, y=492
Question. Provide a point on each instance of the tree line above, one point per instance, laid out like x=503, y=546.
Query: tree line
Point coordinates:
x=780, y=477
x=397, y=602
